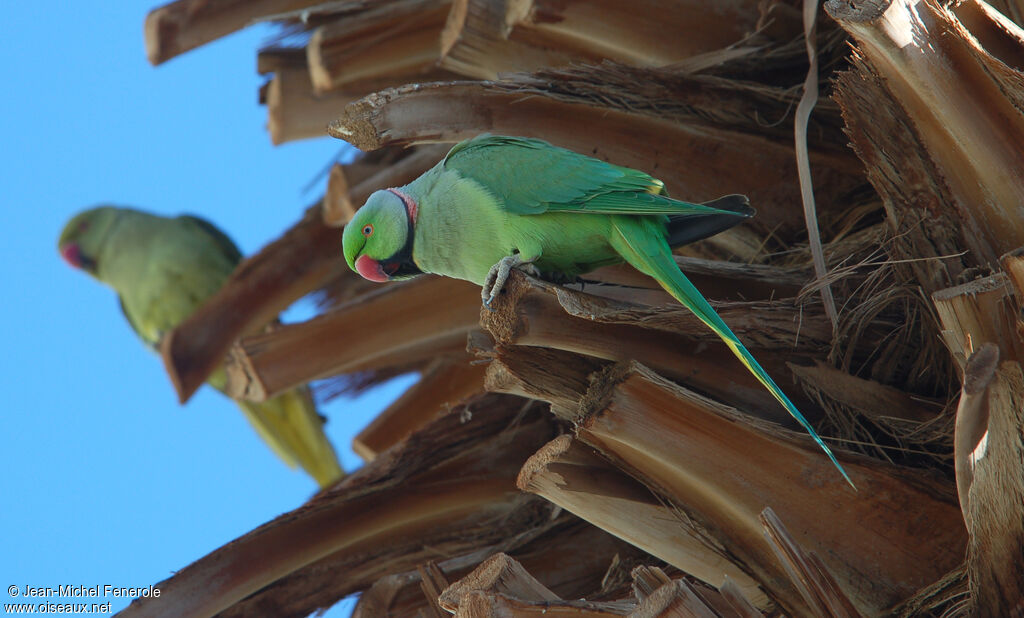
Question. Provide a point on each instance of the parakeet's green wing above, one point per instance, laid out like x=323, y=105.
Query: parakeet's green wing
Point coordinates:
x=223, y=242
x=172, y=294
x=533, y=177
x=151, y=342
x=175, y=290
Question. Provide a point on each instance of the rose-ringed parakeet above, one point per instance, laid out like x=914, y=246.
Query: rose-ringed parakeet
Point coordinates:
x=162, y=270
x=496, y=202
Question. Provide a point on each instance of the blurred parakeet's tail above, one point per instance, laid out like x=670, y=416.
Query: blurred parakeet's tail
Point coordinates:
x=641, y=243
x=290, y=425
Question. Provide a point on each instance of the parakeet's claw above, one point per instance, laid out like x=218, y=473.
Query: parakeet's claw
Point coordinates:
x=498, y=275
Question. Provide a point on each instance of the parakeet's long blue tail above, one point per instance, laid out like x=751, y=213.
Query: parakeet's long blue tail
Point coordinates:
x=641, y=243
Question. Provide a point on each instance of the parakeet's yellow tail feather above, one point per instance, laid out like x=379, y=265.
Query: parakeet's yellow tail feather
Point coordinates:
x=641, y=243
x=290, y=425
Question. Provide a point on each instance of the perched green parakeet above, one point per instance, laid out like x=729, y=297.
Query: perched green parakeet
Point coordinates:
x=162, y=270
x=495, y=203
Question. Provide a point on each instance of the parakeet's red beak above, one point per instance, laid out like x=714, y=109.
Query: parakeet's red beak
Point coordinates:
x=72, y=254
x=371, y=269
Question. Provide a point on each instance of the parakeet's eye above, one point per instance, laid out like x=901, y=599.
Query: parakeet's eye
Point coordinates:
x=367, y=229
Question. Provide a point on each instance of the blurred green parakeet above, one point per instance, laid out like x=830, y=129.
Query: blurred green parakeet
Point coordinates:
x=495, y=203
x=162, y=270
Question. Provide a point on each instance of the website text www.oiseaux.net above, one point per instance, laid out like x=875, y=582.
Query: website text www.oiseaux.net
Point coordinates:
x=70, y=599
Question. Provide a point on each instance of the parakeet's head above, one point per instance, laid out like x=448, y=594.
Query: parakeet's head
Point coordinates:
x=82, y=239
x=378, y=241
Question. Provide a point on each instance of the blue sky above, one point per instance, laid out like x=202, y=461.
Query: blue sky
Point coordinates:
x=107, y=480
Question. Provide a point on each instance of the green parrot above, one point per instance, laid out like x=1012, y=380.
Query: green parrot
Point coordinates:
x=162, y=270
x=495, y=203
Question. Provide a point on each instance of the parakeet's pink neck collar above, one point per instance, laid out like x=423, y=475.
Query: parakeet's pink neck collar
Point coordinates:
x=411, y=208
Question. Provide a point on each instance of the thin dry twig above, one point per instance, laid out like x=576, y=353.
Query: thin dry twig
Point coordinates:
x=803, y=165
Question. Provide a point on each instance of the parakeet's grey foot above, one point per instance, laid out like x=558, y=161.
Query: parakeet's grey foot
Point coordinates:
x=498, y=275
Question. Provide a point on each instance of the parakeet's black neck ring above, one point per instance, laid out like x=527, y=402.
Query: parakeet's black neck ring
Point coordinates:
x=401, y=264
